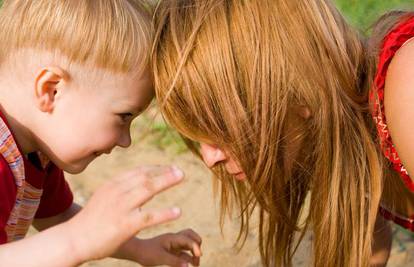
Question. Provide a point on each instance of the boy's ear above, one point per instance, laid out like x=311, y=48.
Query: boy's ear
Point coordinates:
x=48, y=82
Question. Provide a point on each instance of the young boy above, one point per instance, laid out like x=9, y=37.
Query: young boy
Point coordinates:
x=73, y=75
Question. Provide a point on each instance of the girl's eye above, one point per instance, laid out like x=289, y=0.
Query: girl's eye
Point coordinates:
x=125, y=116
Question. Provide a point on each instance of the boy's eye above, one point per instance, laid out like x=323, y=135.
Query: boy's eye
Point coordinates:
x=125, y=116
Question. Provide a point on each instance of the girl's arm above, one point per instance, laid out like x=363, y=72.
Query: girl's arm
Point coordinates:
x=399, y=104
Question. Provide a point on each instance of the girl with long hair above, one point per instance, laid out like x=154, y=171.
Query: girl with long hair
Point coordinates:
x=273, y=95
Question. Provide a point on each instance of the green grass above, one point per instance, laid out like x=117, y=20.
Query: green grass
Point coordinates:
x=362, y=13
x=165, y=138
x=154, y=130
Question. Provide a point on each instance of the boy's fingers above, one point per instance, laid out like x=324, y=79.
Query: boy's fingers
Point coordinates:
x=135, y=177
x=147, y=186
x=144, y=219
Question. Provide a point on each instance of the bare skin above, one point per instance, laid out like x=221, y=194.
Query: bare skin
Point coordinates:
x=119, y=201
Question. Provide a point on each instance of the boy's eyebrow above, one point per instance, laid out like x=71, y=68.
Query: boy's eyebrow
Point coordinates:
x=135, y=107
x=139, y=109
x=130, y=106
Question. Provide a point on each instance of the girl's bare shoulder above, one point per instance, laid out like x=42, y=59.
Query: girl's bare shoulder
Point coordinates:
x=399, y=103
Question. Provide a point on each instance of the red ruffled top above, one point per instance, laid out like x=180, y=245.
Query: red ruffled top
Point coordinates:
x=392, y=42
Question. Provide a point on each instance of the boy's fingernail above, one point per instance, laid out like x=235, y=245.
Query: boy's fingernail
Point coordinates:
x=176, y=211
x=177, y=172
x=184, y=264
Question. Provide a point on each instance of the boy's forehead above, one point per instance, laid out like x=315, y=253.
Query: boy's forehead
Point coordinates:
x=133, y=92
x=96, y=75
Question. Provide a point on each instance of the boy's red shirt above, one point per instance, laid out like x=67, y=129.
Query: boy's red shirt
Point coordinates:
x=55, y=198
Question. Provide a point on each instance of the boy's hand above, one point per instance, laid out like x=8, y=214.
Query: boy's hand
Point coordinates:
x=167, y=249
x=113, y=215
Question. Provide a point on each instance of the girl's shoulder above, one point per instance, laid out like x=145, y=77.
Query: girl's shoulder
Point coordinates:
x=395, y=85
x=395, y=75
x=394, y=42
x=392, y=99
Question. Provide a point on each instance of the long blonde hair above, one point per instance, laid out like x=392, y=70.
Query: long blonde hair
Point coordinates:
x=114, y=35
x=231, y=72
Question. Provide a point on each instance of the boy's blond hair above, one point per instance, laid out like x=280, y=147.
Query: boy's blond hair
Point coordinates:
x=113, y=35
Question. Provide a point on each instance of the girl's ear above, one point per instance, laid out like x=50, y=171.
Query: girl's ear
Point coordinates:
x=48, y=82
x=303, y=112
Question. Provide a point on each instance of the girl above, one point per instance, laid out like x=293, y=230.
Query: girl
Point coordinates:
x=391, y=51
x=273, y=91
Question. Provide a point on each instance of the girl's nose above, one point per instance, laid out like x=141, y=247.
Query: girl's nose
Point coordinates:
x=211, y=154
x=125, y=139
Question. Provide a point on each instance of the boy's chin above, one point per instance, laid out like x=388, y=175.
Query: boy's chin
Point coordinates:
x=74, y=168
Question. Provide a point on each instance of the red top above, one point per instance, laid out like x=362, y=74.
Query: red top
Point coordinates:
x=56, y=196
x=392, y=42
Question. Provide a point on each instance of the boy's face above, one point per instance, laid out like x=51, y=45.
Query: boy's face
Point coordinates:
x=91, y=116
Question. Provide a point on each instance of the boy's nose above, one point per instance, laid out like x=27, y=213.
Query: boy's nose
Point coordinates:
x=211, y=154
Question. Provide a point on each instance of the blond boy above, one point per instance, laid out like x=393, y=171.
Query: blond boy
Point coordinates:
x=73, y=75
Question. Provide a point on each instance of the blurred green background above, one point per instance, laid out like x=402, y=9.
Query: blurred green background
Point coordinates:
x=362, y=13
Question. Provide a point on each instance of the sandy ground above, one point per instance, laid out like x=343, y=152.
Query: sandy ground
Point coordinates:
x=200, y=210
x=194, y=196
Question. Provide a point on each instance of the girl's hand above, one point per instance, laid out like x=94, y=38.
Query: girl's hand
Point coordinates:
x=113, y=215
x=167, y=249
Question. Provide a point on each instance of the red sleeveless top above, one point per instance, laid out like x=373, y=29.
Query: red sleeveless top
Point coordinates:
x=392, y=42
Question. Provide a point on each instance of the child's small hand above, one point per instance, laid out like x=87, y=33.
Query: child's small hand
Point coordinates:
x=167, y=249
x=113, y=215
